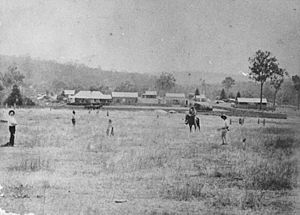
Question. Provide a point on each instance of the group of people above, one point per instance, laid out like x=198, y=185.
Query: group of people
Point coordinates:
x=224, y=128
x=109, y=130
x=12, y=123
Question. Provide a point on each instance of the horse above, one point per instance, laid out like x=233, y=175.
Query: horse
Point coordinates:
x=191, y=121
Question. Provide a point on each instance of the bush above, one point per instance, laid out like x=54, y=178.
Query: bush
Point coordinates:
x=272, y=175
x=182, y=190
x=285, y=144
x=28, y=101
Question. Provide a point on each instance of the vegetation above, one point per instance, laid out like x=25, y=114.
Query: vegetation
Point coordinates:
x=159, y=172
x=126, y=86
x=262, y=67
x=276, y=81
x=15, y=97
x=197, y=92
x=296, y=81
x=227, y=83
x=165, y=82
x=37, y=77
x=223, y=95
x=238, y=95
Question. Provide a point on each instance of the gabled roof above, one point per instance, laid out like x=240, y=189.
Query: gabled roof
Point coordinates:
x=124, y=94
x=175, y=95
x=69, y=92
x=91, y=95
x=150, y=93
x=251, y=100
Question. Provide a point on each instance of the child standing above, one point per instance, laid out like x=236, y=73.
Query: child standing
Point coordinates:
x=110, y=128
x=12, y=123
x=73, y=118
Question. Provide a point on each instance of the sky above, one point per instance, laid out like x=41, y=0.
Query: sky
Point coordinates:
x=151, y=36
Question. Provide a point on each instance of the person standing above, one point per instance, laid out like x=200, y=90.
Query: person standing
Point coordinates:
x=224, y=129
x=12, y=123
x=73, y=118
x=110, y=128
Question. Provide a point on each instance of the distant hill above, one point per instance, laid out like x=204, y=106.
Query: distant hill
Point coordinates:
x=46, y=75
x=196, y=77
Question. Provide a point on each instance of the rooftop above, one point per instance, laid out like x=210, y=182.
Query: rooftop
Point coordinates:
x=125, y=94
x=251, y=100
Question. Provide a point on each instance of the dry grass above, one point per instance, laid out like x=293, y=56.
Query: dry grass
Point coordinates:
x=151, y=166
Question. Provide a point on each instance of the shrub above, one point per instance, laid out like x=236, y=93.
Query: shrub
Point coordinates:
x=272, y=175
x=285, y=144
x=31, y=165
x=182, y=190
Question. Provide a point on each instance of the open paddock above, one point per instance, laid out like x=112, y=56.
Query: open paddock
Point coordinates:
x=153, y=165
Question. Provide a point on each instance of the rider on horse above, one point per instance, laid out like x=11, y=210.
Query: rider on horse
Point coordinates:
x=193, y=113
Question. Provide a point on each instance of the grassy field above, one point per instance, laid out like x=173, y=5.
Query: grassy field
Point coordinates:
x=151, y=166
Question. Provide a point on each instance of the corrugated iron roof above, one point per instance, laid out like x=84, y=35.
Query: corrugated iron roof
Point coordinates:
x=124, y=94
x=251, y=100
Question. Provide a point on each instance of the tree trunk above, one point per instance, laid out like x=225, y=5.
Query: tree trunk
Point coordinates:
x=274, y=101
x=261, y=92
x=298, y=98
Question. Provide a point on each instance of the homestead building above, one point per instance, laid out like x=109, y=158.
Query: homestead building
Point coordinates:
x=150, y=98
x=90, y=97
x=175, y=99
x=150, y=95
x=68, y=93
x=251, y=103
x=124, y=97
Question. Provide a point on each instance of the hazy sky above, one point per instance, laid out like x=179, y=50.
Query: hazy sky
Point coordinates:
x=153, y=35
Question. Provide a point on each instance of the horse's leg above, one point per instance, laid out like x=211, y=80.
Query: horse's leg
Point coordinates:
x=198, y=124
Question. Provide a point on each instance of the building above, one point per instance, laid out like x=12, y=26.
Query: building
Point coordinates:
x=253, y=103
x=69, y=93
x=150, y=98
x=150, y=95
x=124, y=97
x=176, y=99
x=90, y=97
x=201, y=98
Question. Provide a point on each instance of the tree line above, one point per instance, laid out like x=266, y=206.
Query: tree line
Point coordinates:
x=264, y=70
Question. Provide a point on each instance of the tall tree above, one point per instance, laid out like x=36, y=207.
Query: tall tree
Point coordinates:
x=223, y=94
x=12, y=76
x=296, y=81
x=238, y=95
x=227, y=83
x=165, y=82
x=126, y=86
x=276, y=81
x=15, y=97
x=262, y=67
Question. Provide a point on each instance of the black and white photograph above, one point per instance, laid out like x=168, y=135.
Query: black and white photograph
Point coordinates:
x=149, y=107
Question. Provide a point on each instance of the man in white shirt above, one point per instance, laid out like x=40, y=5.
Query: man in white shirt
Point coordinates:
x=12, y=122
x=224, y=129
